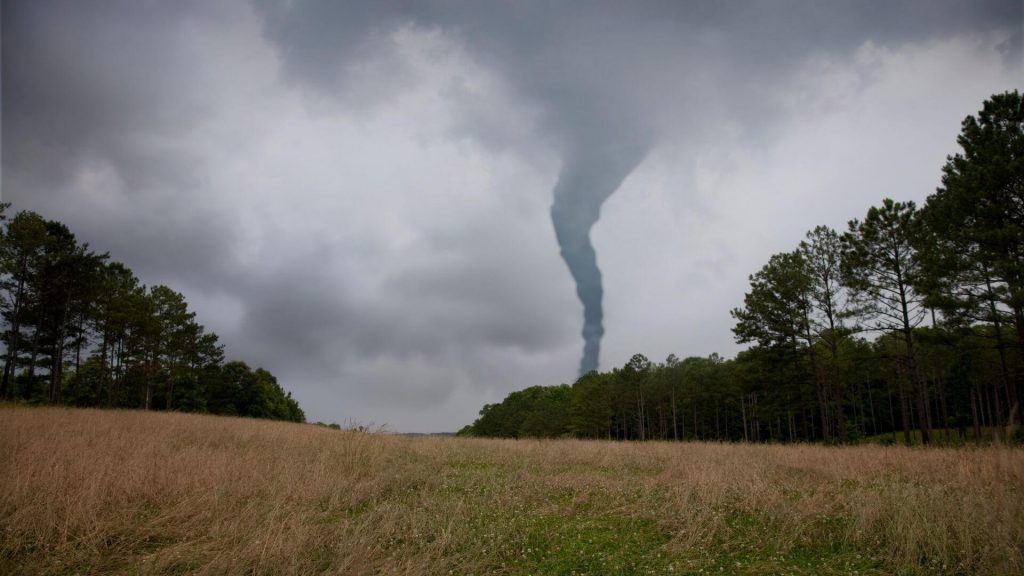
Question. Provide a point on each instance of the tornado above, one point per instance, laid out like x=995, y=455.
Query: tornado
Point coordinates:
x=588, y=177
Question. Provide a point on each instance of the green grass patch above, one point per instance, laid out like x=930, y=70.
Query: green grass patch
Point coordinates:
x=752, y=545
x=808, y=560
x=561, y=545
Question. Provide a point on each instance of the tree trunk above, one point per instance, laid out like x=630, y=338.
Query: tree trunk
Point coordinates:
x=921, y=385
x=997, y=414
x=743, y=413
x=974, y=417
x=14, y=335
x=79, y=340
x=1004, y=371
x=675, y=425
x=943, y=408
x=837, y=390
x=905, y=417
x=822, y=394
x=640, y=414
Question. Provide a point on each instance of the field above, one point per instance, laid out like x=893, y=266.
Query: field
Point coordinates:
x=89, y=491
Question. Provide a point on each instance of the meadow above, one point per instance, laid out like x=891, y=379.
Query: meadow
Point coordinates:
x=132, y=492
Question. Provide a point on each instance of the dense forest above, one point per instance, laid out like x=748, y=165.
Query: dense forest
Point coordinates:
x=908, y=325
x=80, y=329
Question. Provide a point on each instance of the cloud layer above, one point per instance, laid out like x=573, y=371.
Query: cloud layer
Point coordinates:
x=358, y=198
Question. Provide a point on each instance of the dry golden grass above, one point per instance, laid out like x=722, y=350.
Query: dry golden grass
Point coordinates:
x=88, y=491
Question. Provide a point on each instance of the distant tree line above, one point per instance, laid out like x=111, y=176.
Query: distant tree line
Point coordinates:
x=907, y=324
x=82, y=330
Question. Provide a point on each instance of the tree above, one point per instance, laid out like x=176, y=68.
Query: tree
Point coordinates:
x=590, y=410
x=111, y=320
x=777, y=316
x=537, y=411
x=172, y=339
x=635, y=375
x=67, y=282
x=880, y=268
x=548, y=414
x=977, y=266
x=21, y=261
x=79, y=329
x=776, y=310
x=822, y=257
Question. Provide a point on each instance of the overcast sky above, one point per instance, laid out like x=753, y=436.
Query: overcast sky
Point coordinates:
x=357, y=195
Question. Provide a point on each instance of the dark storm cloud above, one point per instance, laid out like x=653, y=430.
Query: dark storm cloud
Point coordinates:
x=614, y=69
x=479, y=297
x=164, y=133
x=105, y=88
x=90, y=77
x=611, y=78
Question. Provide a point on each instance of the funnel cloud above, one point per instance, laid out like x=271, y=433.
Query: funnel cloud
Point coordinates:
x=587, y=179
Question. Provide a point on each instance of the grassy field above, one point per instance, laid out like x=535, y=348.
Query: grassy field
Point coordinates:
x=88, y=491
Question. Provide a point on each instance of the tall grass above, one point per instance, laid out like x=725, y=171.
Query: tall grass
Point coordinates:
x=89, y=491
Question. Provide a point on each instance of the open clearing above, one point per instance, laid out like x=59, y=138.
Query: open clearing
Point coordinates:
x=90, y=491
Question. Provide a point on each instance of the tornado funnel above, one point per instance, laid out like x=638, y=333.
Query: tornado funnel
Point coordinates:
x=587, y=179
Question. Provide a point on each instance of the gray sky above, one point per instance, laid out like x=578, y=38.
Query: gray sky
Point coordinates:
x=357, y=195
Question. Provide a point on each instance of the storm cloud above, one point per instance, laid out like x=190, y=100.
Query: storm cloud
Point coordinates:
x=610, y=80
x=368, y=198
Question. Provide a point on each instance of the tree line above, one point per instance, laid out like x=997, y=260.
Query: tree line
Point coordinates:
x=81, y=329
x=908, y=325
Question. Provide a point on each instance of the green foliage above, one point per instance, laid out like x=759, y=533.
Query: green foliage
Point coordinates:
x=590, y=408
x=880, y=266
x=81, y=330
x=537, y=412
x=777, y=306
x=693, y=398
x=978, y=213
